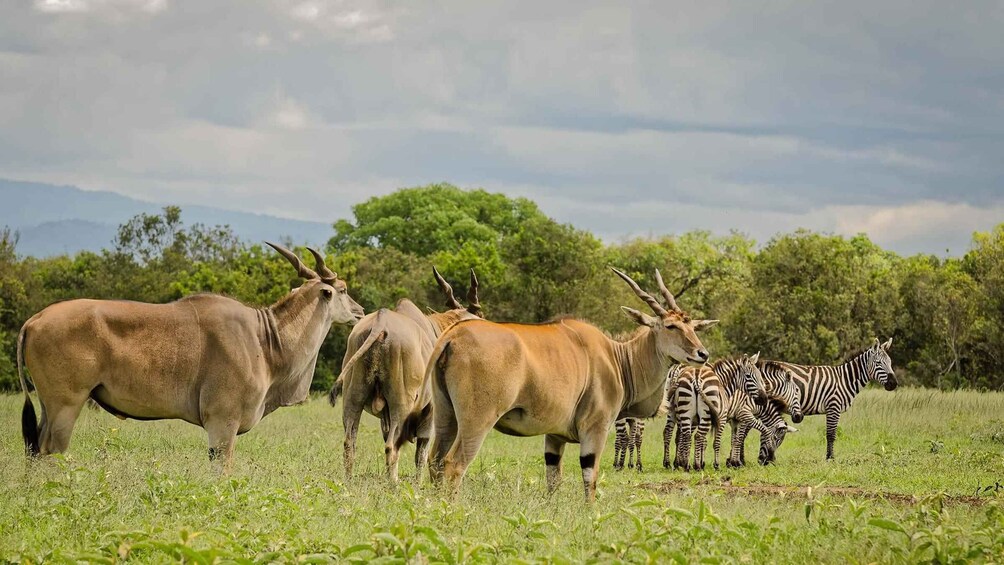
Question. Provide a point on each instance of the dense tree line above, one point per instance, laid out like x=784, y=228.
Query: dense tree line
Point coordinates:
x=804, y=296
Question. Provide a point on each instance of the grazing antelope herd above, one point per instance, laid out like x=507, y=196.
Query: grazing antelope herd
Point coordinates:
x=442, y=380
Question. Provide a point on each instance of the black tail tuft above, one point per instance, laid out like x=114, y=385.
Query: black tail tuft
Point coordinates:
x=335, y=391
x=29, y=429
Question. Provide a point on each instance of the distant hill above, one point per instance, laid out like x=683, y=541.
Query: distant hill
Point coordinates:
x=64, y=219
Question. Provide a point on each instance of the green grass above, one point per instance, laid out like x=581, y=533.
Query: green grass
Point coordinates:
x=901, y=489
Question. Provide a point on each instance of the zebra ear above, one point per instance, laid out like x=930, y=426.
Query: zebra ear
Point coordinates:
x=755, y=357
x=887, y=344
x=792, y=429
x=876, y=345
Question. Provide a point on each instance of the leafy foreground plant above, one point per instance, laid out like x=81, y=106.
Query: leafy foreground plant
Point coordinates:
x=644, y=531
x=141, y=493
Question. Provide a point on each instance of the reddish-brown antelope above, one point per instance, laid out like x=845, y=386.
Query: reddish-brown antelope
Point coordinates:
x=383, y=373
x=205, y=359
x=564, y=379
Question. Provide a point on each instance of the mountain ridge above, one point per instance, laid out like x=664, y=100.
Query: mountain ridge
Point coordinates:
x=61, y=219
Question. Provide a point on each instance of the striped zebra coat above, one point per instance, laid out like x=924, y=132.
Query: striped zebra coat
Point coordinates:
x=628, y=442
x=831, y=389
x=784, y=396
x=769, y=444
x=706, y=398
x=630, y=431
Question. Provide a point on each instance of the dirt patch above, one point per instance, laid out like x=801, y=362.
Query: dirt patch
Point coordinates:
x=803, y=492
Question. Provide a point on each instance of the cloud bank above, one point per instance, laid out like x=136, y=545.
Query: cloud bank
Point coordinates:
x=626, y=119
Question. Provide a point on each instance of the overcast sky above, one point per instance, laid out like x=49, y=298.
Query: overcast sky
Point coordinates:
x=624, y=118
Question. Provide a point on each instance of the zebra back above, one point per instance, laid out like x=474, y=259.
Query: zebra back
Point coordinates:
x=697, y=386
x=739, y=378
x=834, y=386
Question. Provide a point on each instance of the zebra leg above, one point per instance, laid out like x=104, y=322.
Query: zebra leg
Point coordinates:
x=630, y=442
x=620, y=442
x=701, y=443
x=683, y=445
x=832, y=419
x=739, y=445
x=667, y=438
x=747, y=421
x=718, y=441
x=733, y=460
x=639, y=433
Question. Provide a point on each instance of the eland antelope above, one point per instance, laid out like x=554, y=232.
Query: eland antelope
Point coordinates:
x=205, y=359
x=565, y=380
x=383, y=373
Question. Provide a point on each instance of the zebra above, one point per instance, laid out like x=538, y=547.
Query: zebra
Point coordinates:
x=831, y=389
x=628, y=442
x=784, y=396
x=772, y=418
x=630, y=431
x=710, y=396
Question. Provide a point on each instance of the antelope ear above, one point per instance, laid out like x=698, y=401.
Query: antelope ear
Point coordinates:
x=887, y=344
x=703, y=324
x=640, y=318
x=754, y=358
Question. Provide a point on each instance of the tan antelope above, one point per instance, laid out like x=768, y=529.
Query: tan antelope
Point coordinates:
x=205, y=359
x=383, y=373
x=564, y=379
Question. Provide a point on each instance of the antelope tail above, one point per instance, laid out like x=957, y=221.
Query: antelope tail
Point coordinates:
x=374, y=337
x=436, y=369
x=29, y=422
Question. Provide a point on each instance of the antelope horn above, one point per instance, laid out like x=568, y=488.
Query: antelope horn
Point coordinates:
x=301, y=270
x=472, y=293
x=451, y=302
x=652, y=302
x=327, y=275
x=670, y=300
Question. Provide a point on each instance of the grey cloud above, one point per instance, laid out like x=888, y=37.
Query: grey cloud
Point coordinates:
x=791, y=111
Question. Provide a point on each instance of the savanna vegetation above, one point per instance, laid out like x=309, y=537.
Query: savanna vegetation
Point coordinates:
x=917, y=475
x=804, y=297
x=916, y=479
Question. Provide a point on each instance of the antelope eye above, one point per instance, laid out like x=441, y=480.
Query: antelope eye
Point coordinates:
x=326, y=292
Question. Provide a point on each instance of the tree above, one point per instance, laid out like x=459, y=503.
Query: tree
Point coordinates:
x=13, y=300
x=985, y=264
x=432, y=219
x=816, y=298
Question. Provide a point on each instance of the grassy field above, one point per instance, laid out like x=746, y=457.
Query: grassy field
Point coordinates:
x=902, y=489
